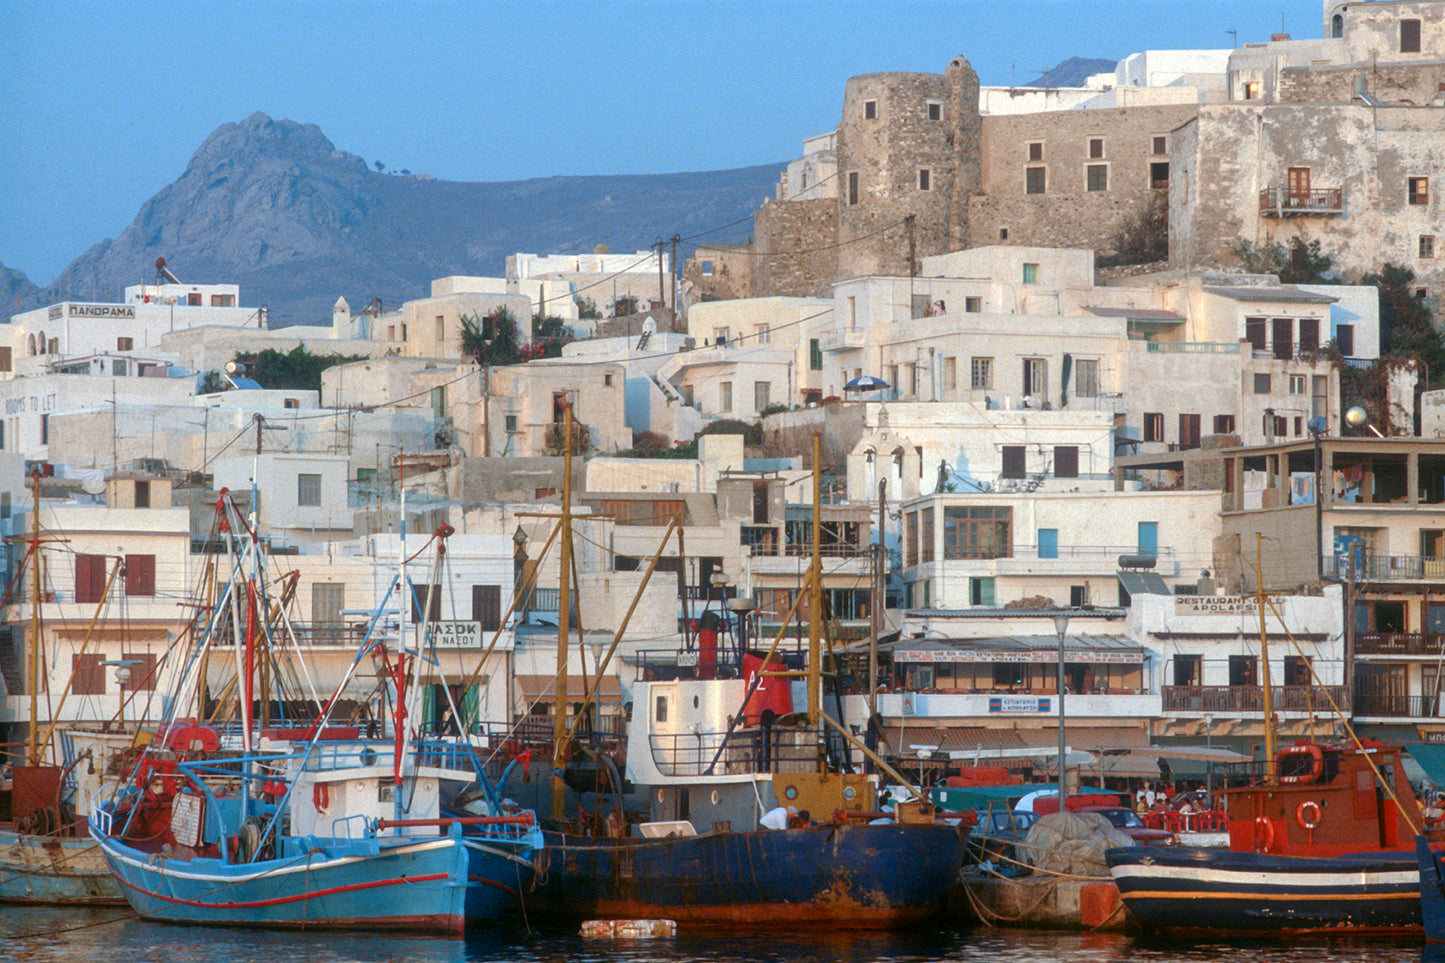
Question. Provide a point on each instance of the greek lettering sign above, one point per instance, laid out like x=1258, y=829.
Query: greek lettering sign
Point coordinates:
x=1019, y=704
x=102, y=310
x=1215, y=605
x=455, y=635
x=925, y=656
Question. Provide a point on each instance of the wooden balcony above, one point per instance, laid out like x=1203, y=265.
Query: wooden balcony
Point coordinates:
x=1397, y=706
x=1282, y=202
x=1250, y=698
x=1399, y=643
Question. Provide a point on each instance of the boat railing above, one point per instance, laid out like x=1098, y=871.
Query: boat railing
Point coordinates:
x=346, y=754
x=351, y=828
x=742, y=750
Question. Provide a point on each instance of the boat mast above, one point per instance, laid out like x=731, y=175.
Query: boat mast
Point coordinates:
x=1269, y=764
x=33, y=664
x=815, y=594
x=564, y=627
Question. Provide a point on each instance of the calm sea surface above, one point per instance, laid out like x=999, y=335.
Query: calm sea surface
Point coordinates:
x=57, y=934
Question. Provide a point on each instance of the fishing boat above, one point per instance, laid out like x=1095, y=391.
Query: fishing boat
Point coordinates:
x=1321, y=839
x=755, y=814
x=1322, y=846
x=46, y=856
x=310, y=825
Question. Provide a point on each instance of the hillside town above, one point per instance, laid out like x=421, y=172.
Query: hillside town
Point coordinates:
x=1108, y=396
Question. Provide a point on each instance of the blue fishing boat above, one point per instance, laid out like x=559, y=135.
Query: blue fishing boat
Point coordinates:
x=309, y=825
x=751, y=813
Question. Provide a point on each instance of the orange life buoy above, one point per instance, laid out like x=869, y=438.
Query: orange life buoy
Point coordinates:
x=321, y=796
x=1308, y=814
x=1263, y=834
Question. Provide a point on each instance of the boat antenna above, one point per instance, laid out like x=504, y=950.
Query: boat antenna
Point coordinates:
x=1270, y=769
x=564, y=625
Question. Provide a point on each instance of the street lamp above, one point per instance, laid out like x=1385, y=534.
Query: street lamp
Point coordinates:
x=1317, y=426
x=1061, y=625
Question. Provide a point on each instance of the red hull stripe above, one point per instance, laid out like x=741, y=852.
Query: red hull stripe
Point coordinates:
x=290, y=899
x=491, y=882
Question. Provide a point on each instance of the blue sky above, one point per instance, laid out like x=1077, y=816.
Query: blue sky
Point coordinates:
x=103, y=103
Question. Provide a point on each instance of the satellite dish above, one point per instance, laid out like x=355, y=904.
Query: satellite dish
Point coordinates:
x=1318, y=425
x=1357, y=417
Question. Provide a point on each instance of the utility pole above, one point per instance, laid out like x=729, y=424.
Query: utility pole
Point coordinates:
x=912, y=248
x=661, y=286
x=672, y=276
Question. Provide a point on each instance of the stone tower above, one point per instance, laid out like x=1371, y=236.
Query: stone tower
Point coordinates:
x=908, y=144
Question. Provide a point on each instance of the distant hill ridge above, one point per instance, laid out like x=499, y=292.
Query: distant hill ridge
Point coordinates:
x=1072, y=72
x=275, y=207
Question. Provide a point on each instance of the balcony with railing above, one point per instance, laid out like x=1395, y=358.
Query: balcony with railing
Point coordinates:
x=1191, y=347
x=1383, y=568
x=1399, y=643
x=1283, y=202
x=1250, y=698
x=1397, y=706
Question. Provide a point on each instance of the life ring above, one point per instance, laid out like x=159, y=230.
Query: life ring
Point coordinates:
x=1308, y=814
x=1263, y=834
x=321, y=797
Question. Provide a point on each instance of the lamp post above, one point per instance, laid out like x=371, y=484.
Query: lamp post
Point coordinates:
x=1061, y=625
x=1317, y=427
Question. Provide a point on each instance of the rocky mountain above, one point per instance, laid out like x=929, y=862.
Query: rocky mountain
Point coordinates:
x=274, y=206
x=1072, y=72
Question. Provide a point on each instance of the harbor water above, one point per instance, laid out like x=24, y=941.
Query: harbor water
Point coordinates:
x=36, y=935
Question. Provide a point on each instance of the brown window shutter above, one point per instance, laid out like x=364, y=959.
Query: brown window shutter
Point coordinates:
x=140, y=575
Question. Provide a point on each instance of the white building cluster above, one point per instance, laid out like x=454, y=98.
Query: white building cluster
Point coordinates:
x=1019, y=463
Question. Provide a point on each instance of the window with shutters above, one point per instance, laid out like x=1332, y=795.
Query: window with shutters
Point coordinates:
x=426, y=603
x=1224, y=424
x=1066, y=461
x=87, y=675
x=1013, y=461
x=487, y=606
x=328, y=600
x=1153, y=426
x=89, y=578
x=981, y=373
x=1086, y=379
x=140, y=575
x=1256, y=333
x=1309, y=334
x=1188, y=431
x=308, y=490
x=1034, y=180
x=1418, y=190
x=925, y=535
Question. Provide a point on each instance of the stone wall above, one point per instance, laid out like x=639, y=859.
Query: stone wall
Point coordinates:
x=1369, y=154
x=721, y=273
x=797, y=248
x=899, y=143
x=1067, y=213
x=1398, y=82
